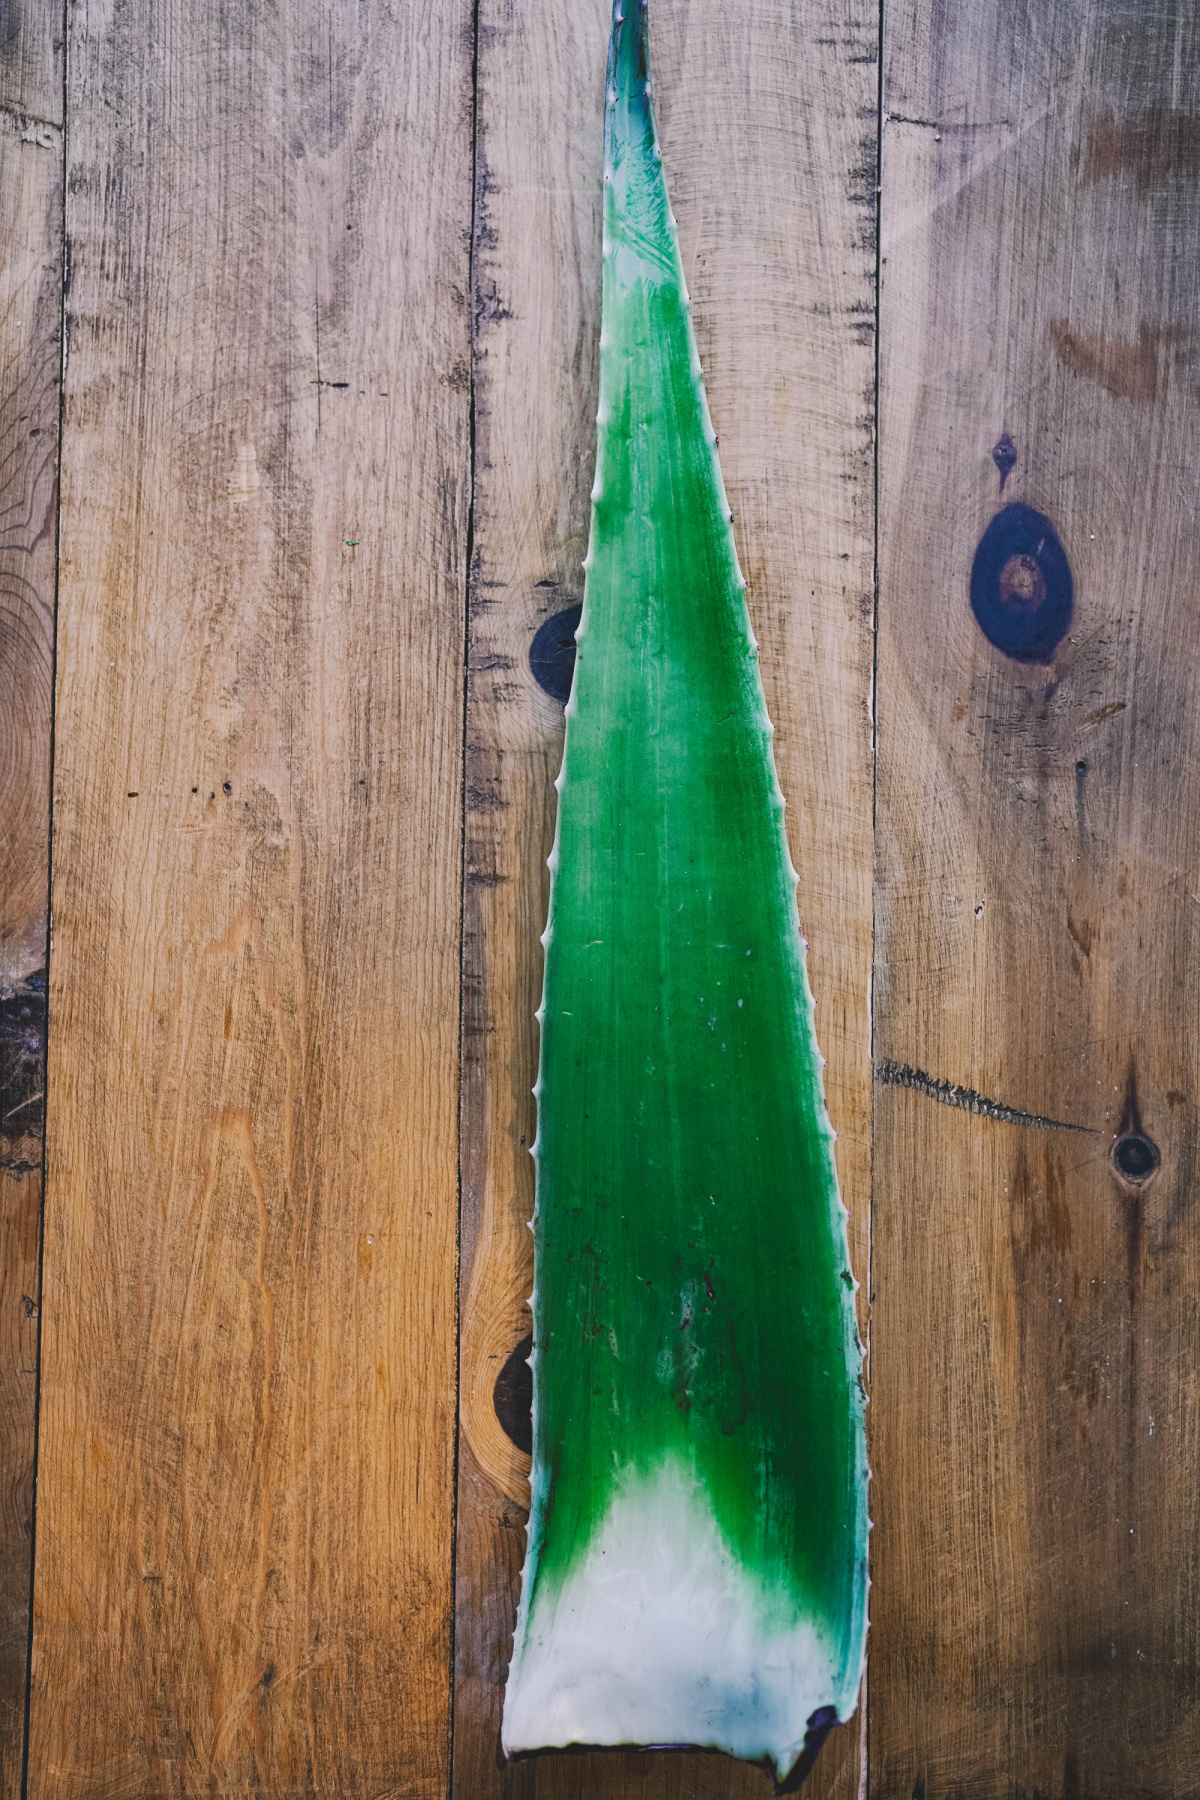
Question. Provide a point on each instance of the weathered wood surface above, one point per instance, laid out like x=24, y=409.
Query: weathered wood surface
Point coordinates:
x=31, y=149
x=244, y=1529
x=1036, y=1322
x=771, y=170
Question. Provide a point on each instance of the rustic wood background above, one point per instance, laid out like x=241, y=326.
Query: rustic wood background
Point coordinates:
x=298, y=341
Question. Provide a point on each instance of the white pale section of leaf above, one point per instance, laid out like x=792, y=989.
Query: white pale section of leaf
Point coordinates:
x=660, y=1635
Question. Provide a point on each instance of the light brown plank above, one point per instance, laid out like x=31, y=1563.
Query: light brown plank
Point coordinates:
x=30, y=356
x=31, y=153
x=1036, y=1321
x=244, y=1529
x=768, y=121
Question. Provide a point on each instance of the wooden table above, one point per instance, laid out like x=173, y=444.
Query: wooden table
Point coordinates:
x=298, y=334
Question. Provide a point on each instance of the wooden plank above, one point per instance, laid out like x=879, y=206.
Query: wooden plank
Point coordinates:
x=1036, y=1318
x=244, y=1531
x=31, y=152
x=768, y=121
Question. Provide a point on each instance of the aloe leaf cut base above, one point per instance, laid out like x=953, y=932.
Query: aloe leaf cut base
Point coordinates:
x=696, y=1570
x=661, y=1636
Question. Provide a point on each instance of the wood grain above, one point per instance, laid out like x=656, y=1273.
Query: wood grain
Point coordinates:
x=1036, y=1320
x=31, y=167
x=772, y=175
x=279, y=324
x=247, y=1430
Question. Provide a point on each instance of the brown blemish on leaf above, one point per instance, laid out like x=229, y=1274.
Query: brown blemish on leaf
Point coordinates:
x=1160, y=144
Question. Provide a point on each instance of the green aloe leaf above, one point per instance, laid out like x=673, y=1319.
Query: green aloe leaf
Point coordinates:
x=697, y=1559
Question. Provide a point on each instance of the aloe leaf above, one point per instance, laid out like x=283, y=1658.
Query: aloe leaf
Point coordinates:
x=696, y=1570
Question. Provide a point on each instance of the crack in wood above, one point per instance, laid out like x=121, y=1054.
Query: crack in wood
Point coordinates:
x=894, y=1074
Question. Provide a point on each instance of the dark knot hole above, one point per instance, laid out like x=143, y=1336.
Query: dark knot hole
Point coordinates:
x=1135, y=1155
x=552, y=653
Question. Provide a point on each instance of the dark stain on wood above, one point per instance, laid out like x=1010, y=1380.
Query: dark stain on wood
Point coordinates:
x=23, y=1059
x=1131, y=1111
x=1152, y=148
x=1129, y=369
x=552, y=653
x=1080, y=930
x=1004, y=455
x=1040, y=1222
x=1022, y=592
x=1104, y=712
x=1135, y=1154
x=512, y=1396
x=1135, y=1158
